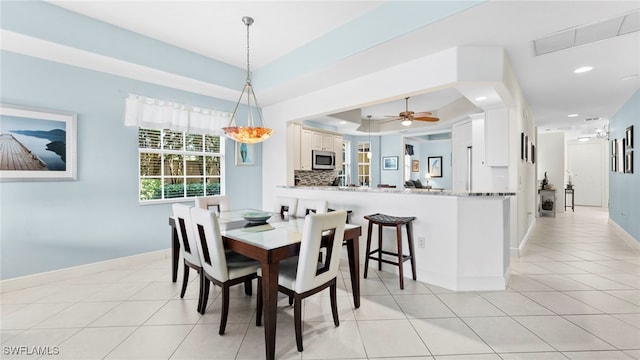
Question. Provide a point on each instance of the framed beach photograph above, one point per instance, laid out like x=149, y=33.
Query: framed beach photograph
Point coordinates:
x=37, y=144
x=389, y=163
x=434, y=166
x=415, y=165
x=245, y=154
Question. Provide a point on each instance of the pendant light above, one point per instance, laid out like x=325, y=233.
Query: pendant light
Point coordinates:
x=249, y=134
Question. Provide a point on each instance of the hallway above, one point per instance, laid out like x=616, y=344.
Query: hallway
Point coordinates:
x=574, y=294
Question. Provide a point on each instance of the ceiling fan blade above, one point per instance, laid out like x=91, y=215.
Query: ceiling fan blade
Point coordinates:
x=422, y=114
x=390, y=120
x=426, y=118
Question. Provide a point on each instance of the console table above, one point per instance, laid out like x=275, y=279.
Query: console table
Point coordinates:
x=569, y=191
x=547, y=205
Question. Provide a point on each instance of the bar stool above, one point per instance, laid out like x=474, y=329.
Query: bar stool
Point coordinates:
x=386, y=220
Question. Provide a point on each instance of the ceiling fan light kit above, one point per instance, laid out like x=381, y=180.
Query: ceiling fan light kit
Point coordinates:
x=407, y=117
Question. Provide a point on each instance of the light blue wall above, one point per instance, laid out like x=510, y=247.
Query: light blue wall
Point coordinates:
x=53, y=225
x=375, y=154
x=392, y=145
x=437, y=148
x=624, y=189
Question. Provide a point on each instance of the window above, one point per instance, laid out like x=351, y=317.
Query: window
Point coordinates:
x=178, y=165
x=364, y=164
x=345, y=172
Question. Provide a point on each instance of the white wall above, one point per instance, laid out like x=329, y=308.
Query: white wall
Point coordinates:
x=551, y=159
x=589, y=162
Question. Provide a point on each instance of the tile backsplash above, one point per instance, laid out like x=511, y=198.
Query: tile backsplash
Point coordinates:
x=315, y=177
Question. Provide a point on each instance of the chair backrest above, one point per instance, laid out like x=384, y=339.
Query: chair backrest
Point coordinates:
x=310, y=206
x=286, y=205
x=186, y=237
x=310, y=274
x=220, y=202
x=209, y=242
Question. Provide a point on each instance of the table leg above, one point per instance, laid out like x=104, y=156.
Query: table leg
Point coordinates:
x=353, y=252
x=175, y=253
x=270, y=306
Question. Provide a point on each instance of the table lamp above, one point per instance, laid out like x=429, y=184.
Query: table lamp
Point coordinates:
x=427, y=177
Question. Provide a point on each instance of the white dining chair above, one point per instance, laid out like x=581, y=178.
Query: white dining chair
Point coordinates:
x=307, y=206
x=223, y=268
x=190, y=254
x=286, y=205
x=302, y=276
x=220, y=202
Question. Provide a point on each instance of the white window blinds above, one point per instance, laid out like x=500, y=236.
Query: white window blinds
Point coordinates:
x=157, y=114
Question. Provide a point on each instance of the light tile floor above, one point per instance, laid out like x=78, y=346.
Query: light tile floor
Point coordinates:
x=574, y=294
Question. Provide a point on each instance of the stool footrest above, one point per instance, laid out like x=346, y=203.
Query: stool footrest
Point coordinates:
x=404, y=257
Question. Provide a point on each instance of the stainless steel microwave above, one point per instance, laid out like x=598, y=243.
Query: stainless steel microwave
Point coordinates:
x=323, y=160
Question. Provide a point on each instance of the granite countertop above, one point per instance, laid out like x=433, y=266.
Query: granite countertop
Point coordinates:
x=400, y=191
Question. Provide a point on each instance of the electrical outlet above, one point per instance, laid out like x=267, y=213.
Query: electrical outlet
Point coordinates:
x=421, y=242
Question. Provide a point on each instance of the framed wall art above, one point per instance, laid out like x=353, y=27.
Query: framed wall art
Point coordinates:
x=434, y=164
x=389, y=163
x=415, y=165
x=629, y=137
x=37, y=144
x=628, y=162
x=245, y=154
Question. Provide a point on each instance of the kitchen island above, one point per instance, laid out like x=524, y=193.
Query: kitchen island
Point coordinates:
x=461, y=238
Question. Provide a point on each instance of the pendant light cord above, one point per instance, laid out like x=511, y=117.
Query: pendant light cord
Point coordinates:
x=248, y=66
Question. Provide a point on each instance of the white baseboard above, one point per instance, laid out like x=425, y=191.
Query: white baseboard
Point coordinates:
x=515, y=252
x=77, y=271
x=630, y=240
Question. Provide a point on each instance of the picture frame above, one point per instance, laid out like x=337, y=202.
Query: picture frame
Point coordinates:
x=533, y=154
x=526, y=148
x=620, y=155
x=245, y=154
x=613, y=158
x=42, y=144
x=434, y=166
x=415, y=165
x=629, y=137
x=523, y=144
x=389, y=163
x=628, y=162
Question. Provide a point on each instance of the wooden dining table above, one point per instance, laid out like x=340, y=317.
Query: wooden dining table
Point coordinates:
x=269, y=244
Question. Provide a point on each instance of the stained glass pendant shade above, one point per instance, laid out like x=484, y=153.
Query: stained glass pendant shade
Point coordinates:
x=252, y=133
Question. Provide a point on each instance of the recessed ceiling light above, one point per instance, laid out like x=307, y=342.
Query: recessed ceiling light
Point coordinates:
x=584, y=138
x=583, y=69
x=572, y=115
x=342, y=122
x=480, y=98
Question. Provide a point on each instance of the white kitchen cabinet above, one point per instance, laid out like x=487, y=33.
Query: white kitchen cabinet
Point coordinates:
x=302, y=141
x=337, y=147
x=496, y=131
x=327, y=142
x=306, y=142
x=316, y=140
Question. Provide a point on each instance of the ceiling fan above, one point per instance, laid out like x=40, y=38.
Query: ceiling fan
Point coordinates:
x=408, y=117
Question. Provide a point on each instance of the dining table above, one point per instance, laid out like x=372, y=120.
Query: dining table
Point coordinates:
x=269, y=243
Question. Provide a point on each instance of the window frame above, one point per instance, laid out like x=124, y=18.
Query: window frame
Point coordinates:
x=185, y=158
x=364, y=147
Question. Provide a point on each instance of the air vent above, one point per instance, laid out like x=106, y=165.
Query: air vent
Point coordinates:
x=586, y=34
x=592, y=119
